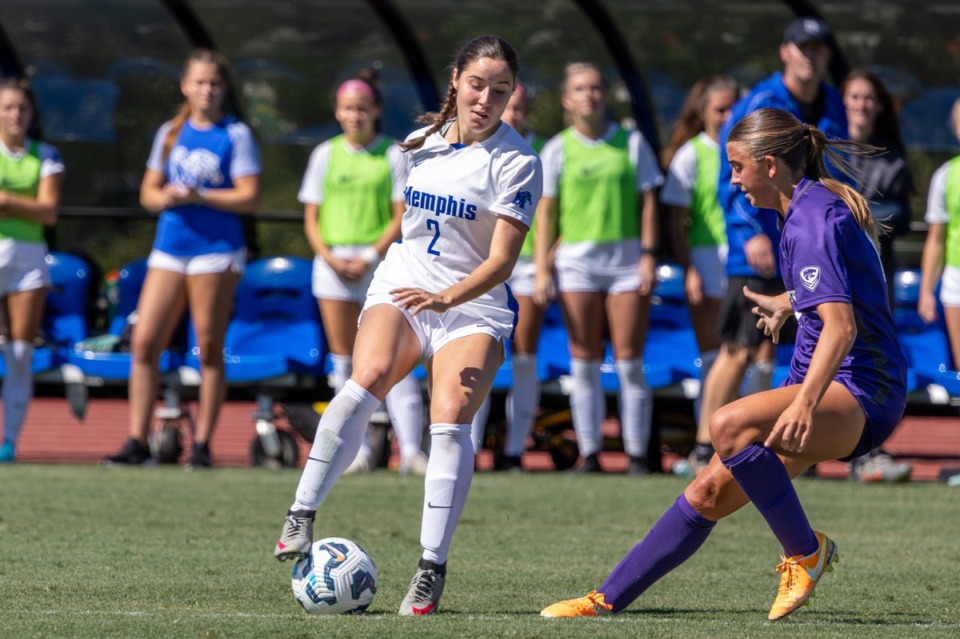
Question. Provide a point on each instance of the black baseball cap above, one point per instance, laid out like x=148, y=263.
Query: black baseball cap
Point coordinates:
x=803, y=30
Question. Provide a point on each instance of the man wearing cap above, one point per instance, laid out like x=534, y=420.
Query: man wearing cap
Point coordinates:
x=752, y=234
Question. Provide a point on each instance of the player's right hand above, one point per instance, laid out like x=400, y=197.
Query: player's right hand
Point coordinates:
x=927, y=307
x=544, y=289
x=771, y=311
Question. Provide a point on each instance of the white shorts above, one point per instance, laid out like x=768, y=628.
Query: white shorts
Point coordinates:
x=436, y=330
x=23, y=266
x=234, y=261
x=524, y=278
x=711, y=264
x=330, y=286
x=950, y=286
x=610, y=268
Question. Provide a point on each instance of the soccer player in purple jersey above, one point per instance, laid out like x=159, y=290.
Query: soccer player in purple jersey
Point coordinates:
x=846, y=389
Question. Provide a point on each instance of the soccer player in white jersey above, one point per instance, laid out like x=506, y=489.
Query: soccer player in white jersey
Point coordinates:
x=941, y=250
x=30, y=177
x=473, y=186
x=202, y=175
x=352, y=196
x=599, y=182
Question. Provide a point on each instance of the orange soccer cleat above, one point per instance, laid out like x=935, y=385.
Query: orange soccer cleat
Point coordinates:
x=799, y=576
x=592, y=605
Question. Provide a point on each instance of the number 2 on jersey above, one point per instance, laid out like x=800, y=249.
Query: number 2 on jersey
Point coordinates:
x=433, y=225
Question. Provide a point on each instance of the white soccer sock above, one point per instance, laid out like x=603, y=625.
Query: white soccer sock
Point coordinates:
x=449, y=474
x=478, y=427
x=405, y=405
x=587, y=404
x=342, y=370
x=636, y=406
x=522, y=402
x=17, y=387
x=706, y=361
x=758, y=377
x=342, y=428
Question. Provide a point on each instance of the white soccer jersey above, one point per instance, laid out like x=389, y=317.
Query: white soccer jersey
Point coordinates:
x=682, y=175
x=454, y=197
x=937, y=212
x=311, y=189
x=648, y=169
x=50, y=161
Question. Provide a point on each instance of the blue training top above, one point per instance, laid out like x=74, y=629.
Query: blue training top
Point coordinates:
x=742, y=218
x=826, y=257
x=210, y=158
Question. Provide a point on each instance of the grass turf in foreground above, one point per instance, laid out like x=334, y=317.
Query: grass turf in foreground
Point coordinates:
x=93, y=552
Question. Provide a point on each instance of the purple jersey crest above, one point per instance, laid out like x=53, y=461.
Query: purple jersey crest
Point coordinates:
x=826, y=257
x=810, y=276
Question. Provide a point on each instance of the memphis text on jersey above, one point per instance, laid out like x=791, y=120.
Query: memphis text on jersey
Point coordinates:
x=439, y=204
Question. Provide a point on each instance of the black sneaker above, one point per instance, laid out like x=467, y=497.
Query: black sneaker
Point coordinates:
x=134, y=453
x=589, y=464
x=512, y=464
x=702, y=454
x=200, y=456
x=638, y=466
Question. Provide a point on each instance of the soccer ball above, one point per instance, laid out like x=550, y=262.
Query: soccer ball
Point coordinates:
x=336, y=577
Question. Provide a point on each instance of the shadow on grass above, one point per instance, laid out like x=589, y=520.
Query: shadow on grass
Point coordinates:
x=890, y=618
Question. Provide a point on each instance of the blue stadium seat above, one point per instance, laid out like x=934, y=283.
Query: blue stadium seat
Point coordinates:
x=116, y=366
x=65, y=318
x=926, y=345
x=65, y=314
x=129, y=282
x=553, y=349
x=553, y=355
x=782, y=369
x=275, y=329
x=670, y=353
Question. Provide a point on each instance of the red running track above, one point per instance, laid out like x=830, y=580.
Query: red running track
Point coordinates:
x=53, y=435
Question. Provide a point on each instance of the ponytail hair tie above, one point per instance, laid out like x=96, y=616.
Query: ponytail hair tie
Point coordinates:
x=806, y=129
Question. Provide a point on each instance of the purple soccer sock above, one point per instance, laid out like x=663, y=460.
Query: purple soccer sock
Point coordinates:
x=678, y=534
x=763, y=477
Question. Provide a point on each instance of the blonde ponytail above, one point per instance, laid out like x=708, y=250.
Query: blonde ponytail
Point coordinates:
x=805, y=148
x=176, y=124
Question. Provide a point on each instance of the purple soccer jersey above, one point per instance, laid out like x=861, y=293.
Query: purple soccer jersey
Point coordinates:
x=826, y=257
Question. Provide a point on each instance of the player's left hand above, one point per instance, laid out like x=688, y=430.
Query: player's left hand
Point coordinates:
x=417, y=299
x=792, y=430
x=356, y=269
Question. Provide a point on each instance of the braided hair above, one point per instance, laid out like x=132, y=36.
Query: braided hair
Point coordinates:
x=489, y=46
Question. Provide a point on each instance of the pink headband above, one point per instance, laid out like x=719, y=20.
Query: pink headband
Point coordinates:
x=356, y=85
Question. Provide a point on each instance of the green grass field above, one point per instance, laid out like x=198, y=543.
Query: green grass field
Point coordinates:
x=92, y=552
